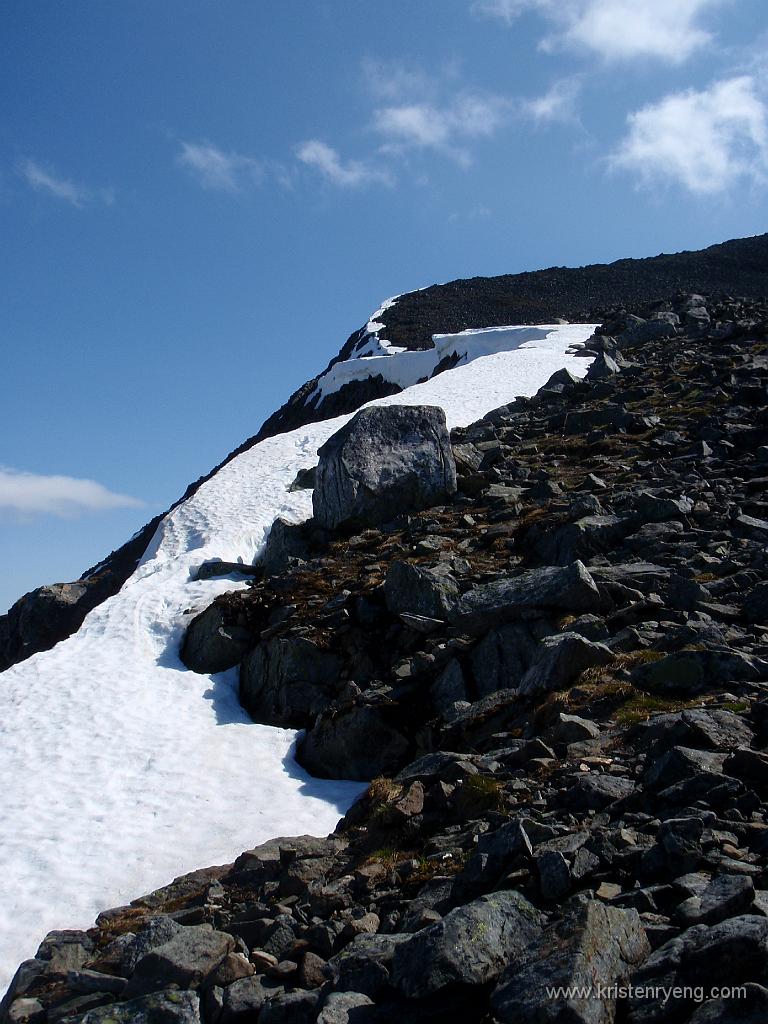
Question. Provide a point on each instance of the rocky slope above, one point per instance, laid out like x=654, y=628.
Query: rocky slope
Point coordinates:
x=555, y=665
x=47, y=615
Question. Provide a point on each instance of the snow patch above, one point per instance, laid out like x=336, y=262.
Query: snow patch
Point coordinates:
x=404, y=368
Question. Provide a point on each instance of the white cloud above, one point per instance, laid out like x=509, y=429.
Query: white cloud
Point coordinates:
x=346, y=174
x=441, y=127
x=558, y=103
x=57, y=495
x=703, y=140
x=217, y=170
x=669, y=30
x=45, y=179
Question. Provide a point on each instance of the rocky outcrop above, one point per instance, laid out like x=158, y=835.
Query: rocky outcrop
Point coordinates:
x=384, y=460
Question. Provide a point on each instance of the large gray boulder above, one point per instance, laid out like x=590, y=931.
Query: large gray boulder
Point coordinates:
x=593, y=947
x=185, y=960
x=287, y=681
x=470, y=946
x=384, y=461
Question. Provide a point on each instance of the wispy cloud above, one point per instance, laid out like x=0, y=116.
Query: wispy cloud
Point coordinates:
x=43, y=178
x=667, y=30
x=558, y=103
x=343, y=173
x=215, y=169
x=63, y=496
x=446, y=127
x=704, y=140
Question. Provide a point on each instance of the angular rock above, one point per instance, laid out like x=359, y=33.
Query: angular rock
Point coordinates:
x=340, y=1008
x=561, y=658
x=568, y=589
x=470, y=946
x=413, y=589
x=287, y=681
x=384, y=461
x=211, y=644
x=731, y=953
x=358, y=744
x=185, y=960
x=168, y=1007
x=594, y=947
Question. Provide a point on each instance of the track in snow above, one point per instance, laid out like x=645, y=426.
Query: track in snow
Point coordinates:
x=119, y=768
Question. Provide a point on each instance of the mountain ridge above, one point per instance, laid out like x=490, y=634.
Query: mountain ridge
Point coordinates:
x=40, y=619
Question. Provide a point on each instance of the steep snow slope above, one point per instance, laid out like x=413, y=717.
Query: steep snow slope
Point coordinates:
x=119, y=768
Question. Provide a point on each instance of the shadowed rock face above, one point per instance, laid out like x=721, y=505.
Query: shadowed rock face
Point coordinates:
x=591, y=293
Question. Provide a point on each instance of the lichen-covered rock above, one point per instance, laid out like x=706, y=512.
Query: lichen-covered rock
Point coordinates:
x=470, y=946
x=592, y=946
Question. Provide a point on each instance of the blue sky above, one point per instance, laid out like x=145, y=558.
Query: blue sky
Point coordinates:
x=201, y=199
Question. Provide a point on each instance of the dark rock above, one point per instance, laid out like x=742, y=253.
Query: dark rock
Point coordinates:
x=731, y=953
x=168, y=1007
x=384, y=461
x=561, y=658
x=569, y=589
x=212, y=644
x=470, y=946
x=358, y=744
x=344, y=1008
x=594, y=947
x=413, y=589
x=185, y=960
x=286, y=681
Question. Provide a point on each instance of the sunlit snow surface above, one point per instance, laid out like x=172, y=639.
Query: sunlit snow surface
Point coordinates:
x=120, y=769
